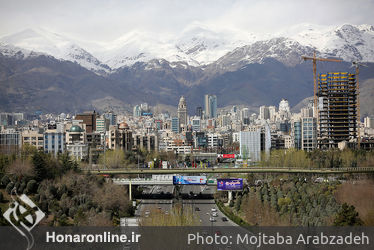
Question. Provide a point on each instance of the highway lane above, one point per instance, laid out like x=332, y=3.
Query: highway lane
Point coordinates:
x=152, y=204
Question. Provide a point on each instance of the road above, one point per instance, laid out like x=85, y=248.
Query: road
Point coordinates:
x=201, y=207
x=150, y=204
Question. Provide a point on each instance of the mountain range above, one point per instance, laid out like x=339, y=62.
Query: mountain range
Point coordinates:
x=42, y=70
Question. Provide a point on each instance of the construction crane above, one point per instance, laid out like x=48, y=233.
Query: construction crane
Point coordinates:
x=315, y=59
x=357, y=66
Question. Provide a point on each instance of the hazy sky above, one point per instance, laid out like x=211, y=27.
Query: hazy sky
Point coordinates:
x=107, y=19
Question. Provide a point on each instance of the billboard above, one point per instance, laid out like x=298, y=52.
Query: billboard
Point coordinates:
x=226, y=156
x=189, y=180
x=229, y=184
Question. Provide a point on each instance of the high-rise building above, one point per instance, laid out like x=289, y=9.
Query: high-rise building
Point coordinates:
x=264, y=113
x=199, y=112
x=244, y=113
x=309, y=133
x=250, y=145
x=272, y=113
x=296, y=133
x=337, y=109
x=196, y=124
x=284, y=109
x=182, y=112
x=175, y=124
x=210, y=108
x=111, y=117
x=144, y=107
x=137, y=111
x=255, y=141
x=369, y=122
x=102, y=124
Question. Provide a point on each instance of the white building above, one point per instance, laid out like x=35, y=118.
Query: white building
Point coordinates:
x=250, y=145
x=369, y=122
x=212, y=140
x=264, y=113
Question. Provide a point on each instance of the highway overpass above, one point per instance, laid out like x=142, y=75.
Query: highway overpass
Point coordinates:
x=233, y=170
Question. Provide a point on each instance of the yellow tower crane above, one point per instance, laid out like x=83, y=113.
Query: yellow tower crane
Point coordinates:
x=315, y=59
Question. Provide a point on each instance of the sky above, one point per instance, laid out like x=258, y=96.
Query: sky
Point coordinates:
x=101, y=20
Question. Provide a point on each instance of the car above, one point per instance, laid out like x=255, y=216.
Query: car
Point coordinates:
x=224, y=219
x=214, y=214
x=166, y=212
x=218, y=233
x=212, y=219
x=197, y=209
x=147, y=212
x=214, y=210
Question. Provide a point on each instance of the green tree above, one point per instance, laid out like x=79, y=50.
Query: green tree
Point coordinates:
x=39, y=163
x=347, y=216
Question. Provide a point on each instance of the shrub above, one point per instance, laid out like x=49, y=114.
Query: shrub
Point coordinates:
x=9, y=187
x=31, y=187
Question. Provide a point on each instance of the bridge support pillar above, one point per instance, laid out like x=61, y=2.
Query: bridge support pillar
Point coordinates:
x=130, y=198
x=230, y=196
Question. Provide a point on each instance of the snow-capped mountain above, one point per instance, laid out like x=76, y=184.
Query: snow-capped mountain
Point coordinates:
x=284, y=50
x=32, y=41
x=200, y=46
x=196, y=45
x=349, y=42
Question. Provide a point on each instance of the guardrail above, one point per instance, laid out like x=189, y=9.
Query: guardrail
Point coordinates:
x=233, y=170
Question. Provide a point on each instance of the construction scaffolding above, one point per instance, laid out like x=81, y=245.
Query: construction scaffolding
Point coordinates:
x=337, y=105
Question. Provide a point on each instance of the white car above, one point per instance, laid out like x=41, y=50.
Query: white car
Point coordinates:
x=212, y=219
x=214, y=214
x=214, y=210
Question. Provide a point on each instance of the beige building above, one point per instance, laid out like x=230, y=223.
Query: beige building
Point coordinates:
x=33, y=137
x=120, y=137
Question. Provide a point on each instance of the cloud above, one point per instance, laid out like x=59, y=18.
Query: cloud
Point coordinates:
x=107, y=20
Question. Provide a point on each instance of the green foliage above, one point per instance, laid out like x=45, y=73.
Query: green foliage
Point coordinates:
x=238, y=202
x=9, y=187
x=112, y=158
x=292, y=158
x=39, y=163
x=347, y=216
x=284, y=201
x=4, y=181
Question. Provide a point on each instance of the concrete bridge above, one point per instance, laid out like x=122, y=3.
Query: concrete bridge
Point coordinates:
x=158, y=171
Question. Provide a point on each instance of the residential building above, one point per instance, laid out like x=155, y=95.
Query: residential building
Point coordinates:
x=76, y=142
x=54, y=139
x=121, y=137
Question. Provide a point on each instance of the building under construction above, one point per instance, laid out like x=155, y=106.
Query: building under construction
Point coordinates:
x=337, y=109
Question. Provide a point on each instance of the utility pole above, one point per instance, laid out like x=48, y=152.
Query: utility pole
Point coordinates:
x=315, y=59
